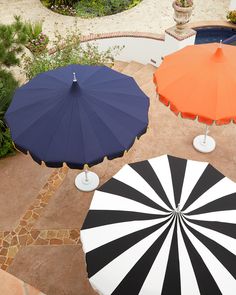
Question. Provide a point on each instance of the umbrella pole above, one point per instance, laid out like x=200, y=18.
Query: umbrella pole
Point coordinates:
x=206, y=132
x=87, y=181
x=204, y=143
x=86, y=174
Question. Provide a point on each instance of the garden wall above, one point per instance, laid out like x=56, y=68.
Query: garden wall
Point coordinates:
x=141, y=47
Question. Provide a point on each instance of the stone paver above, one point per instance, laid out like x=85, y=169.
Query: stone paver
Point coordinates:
x=55, y=270
x=10, y=285
x=22, y=234
x=68, y=207
x=17, y=172
x=149, y=16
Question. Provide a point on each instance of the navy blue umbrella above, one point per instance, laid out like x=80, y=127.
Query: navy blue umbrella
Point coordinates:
x=77, y=115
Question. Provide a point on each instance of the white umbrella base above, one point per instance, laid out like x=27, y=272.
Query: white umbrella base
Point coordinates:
x=204, y=147
x=88, y=185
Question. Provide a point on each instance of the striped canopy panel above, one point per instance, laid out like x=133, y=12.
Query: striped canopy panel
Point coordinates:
x=165, y=226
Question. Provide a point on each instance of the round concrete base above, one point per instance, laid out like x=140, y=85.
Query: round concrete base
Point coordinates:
x=204, y=147
x=88, y=185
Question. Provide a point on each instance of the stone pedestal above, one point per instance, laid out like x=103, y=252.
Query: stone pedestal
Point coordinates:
x=175, y=41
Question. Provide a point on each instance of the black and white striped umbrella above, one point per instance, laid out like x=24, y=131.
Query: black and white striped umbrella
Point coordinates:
x=165, y=226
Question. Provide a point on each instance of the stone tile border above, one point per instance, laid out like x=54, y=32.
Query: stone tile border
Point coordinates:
x=122, y=34
x=24, y=234
x=54, y=237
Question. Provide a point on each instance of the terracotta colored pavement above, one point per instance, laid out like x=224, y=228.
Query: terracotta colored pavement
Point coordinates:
x=42, y=211
x=11, y=285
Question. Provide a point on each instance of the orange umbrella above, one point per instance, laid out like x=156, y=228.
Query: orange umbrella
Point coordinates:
x=199, y=82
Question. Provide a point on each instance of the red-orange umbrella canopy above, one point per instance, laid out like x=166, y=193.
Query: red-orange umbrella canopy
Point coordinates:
x=199, y=81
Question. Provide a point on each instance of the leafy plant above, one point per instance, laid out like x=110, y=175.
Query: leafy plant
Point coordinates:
x=68, y=50
x=49, y=3
x=231, y=16
x=89, y=8
x=12, y=39
x=134, y=3
x=6, y=145
x=184, y=3
x=37, y=41
x=64, y=9
x=92, y=8
x=38, y=44
x=33, y=29
x=7, y=87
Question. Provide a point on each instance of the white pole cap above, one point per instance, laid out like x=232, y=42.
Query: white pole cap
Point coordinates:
x=74, y=79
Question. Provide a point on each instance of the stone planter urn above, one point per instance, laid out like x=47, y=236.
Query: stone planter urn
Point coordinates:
x=182, y=16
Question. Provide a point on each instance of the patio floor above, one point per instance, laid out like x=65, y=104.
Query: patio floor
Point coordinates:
x=42, y=211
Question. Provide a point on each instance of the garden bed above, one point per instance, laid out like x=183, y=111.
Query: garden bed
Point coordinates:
x=89, y=8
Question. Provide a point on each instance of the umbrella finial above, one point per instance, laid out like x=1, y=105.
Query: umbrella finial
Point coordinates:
x=218, y=55
x=75, y=79
x=177, y=211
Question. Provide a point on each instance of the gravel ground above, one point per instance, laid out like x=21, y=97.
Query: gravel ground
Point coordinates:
x=150, y=16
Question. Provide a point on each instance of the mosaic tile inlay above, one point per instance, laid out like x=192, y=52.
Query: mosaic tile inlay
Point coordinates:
x=24, y=234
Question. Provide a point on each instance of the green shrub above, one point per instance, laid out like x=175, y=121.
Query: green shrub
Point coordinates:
x=37, y=41
x=89, y=8
x=49, y=3
x=8, y=86
x=38, y=44
x=92, y=8
x=71, y=53
x=33, y=29
x=6, y=145
x=12, y=39
x=231, y=16
x=64, y=9
x=184, y=3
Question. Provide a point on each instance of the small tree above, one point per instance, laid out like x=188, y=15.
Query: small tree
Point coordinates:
x=7, y=87
x=12, y=39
